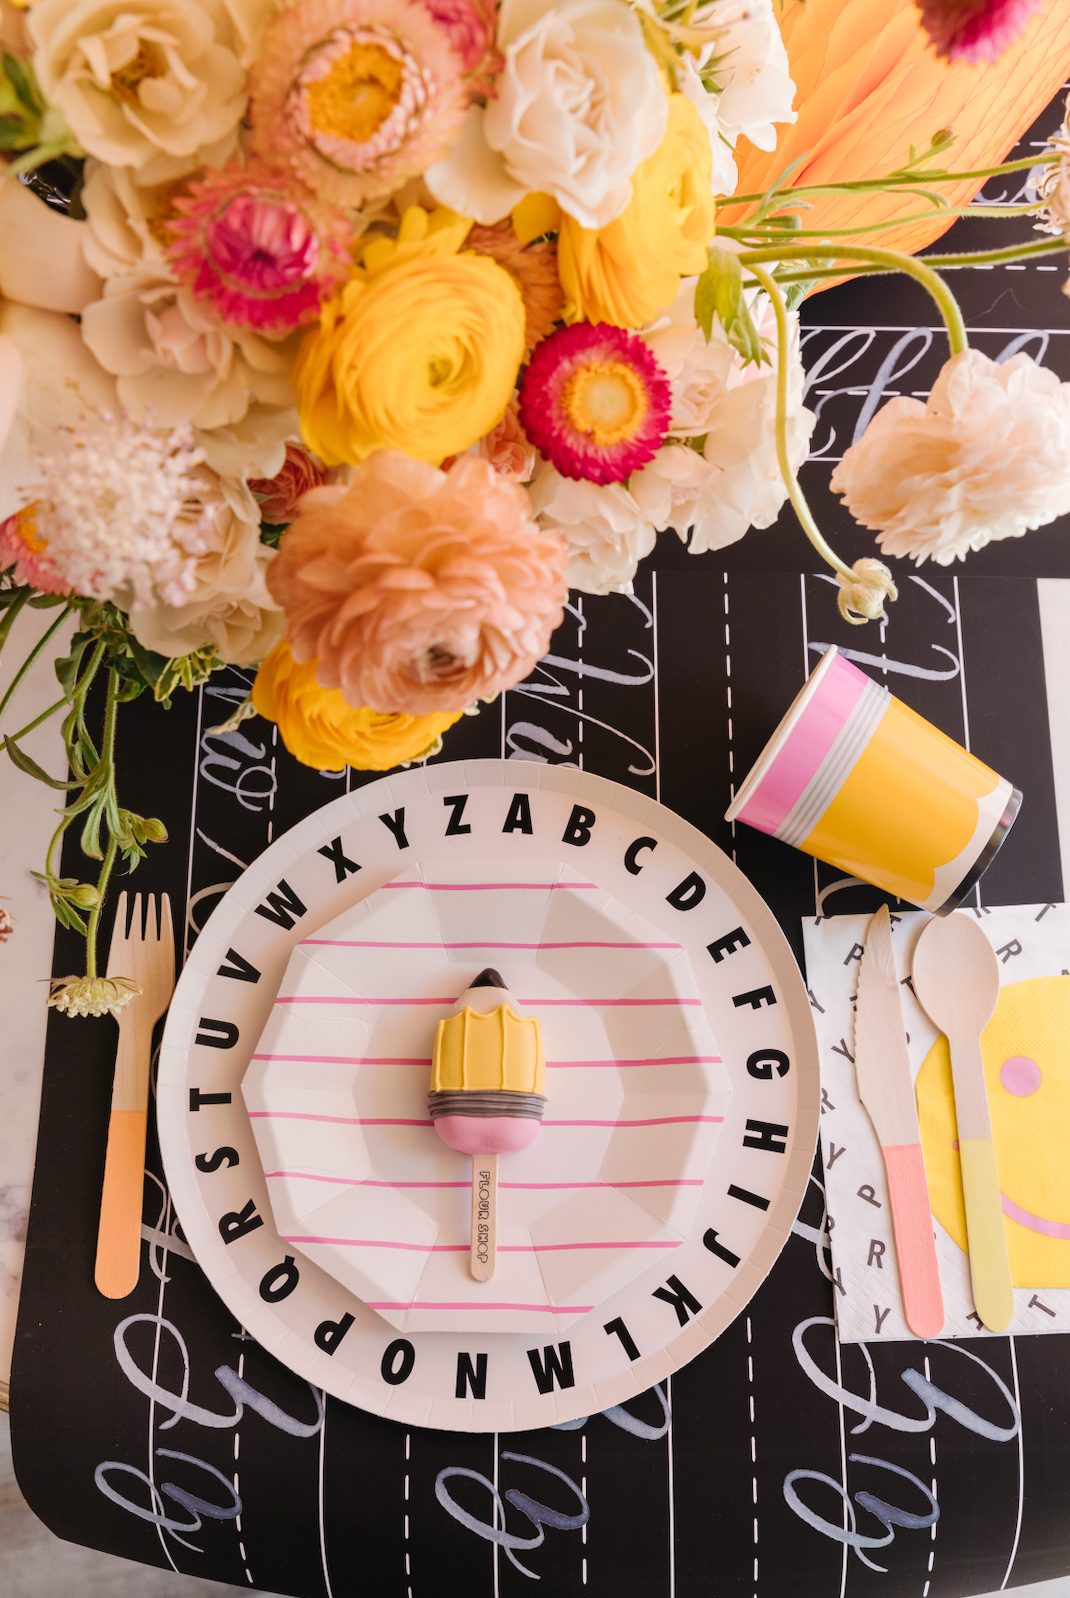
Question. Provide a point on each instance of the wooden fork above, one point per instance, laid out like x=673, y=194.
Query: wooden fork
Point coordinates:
x=149, y=958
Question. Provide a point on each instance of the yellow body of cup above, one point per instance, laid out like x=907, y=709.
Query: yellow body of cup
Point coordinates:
x=860, y=780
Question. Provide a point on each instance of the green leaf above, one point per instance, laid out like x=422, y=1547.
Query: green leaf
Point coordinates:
x=23, y=80
x=719, y=292
x=32, y=769
x=47, y=601
x=67, y=665
x=90, y=840
x=68, y=917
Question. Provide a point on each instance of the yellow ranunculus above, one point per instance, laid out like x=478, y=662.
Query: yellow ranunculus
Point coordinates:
x=322, y=730
x=630, y=269
x=418, y=352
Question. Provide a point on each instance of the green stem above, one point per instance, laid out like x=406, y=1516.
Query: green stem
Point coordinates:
x=941, y=263
x=107, y=754
x=896, y=179
x=94, y=914
x=11, y=612
x=769, y=233
x=41, y=644
x=890, y=260
x=787, y=471
x=36, y=722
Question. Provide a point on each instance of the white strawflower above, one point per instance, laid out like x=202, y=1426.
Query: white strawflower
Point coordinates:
x=1054, y=187
x=122, y=512
x=987, y=457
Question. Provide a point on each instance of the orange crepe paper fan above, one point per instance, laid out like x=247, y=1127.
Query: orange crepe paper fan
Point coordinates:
x=868, y=85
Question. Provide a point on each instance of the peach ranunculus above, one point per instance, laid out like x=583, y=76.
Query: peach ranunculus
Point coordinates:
x=419, y=590
x=280, y=495
x=986, y=457
x=322, y=729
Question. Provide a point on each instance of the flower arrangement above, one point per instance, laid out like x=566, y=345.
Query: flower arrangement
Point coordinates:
x=355, y=332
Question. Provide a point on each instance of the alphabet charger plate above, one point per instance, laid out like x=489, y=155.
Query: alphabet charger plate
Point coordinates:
x=682, y=1083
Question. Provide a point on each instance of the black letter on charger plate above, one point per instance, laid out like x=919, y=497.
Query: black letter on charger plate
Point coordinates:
x=393, y=1372
x=578, y=831
x=630, y=859
x=286, y=907
x=722, y=1253
x=755, y=998
x=211, y=1162
x=469, y=1378
x=343, y=866
x=760, y=1064
x=687, y=894
x=617, y=1328
x=457, y=802
x=280, y=1281
x=768, y=1138
x=239, y=968
x=396, y=823
x=239, y=1223
x=682, y=1300
x=329, y=1334
x=731, y=941
x=197, y=1098
x=555, y=1362
x=519, y=817
x=228, y=1034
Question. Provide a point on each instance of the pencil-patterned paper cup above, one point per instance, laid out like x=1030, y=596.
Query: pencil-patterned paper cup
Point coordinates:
x=856, y=778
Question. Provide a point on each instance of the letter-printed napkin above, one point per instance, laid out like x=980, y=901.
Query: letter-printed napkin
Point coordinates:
x=1027, y=1053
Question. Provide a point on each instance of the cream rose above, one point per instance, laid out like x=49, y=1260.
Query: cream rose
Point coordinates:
x=156, y=85
x=177, y=362
x=604, y=528
x=121, y=232
x=986, y=457
x=228, y=603
x=736, y=483
x=576, y=108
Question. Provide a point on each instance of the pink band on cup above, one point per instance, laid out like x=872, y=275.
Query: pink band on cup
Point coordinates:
x=806, y=746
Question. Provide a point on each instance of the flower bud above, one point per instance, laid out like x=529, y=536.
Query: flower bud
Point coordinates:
x=154, y=830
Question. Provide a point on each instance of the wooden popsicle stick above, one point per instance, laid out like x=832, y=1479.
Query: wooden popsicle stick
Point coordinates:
x=484, y=1216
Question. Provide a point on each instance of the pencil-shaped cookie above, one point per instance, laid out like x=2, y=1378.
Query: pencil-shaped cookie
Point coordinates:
x=488, y=1081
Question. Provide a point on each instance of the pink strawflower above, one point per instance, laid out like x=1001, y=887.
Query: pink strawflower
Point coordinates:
x=469, y=25
x=974, y=30
x=280, y=496
x=258, y=245
x=595, y=402
x=357, y=96
x=417, y=591
x=21, y=547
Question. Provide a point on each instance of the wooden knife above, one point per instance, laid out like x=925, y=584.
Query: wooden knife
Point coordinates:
x=886, y=1088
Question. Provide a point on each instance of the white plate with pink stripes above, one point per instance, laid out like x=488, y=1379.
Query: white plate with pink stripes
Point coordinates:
x=682, y=1086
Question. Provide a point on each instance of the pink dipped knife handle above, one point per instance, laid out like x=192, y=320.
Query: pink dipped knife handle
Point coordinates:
x=912, y=1218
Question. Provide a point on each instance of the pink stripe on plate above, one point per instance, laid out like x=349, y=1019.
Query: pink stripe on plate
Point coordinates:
x=475, y=1303
x=666, y=1120
x=346, y=1059
x=334, y=1120
x=806, y=745
x=478, y=887
x=525, y=1187
x=355, y=999
x=677, y=1059
x=598, y=1004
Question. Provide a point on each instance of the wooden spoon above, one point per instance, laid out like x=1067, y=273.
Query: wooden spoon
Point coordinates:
x=956, y=978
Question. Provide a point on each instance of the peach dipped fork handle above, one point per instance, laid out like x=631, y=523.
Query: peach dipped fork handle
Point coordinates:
x=150, y=960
